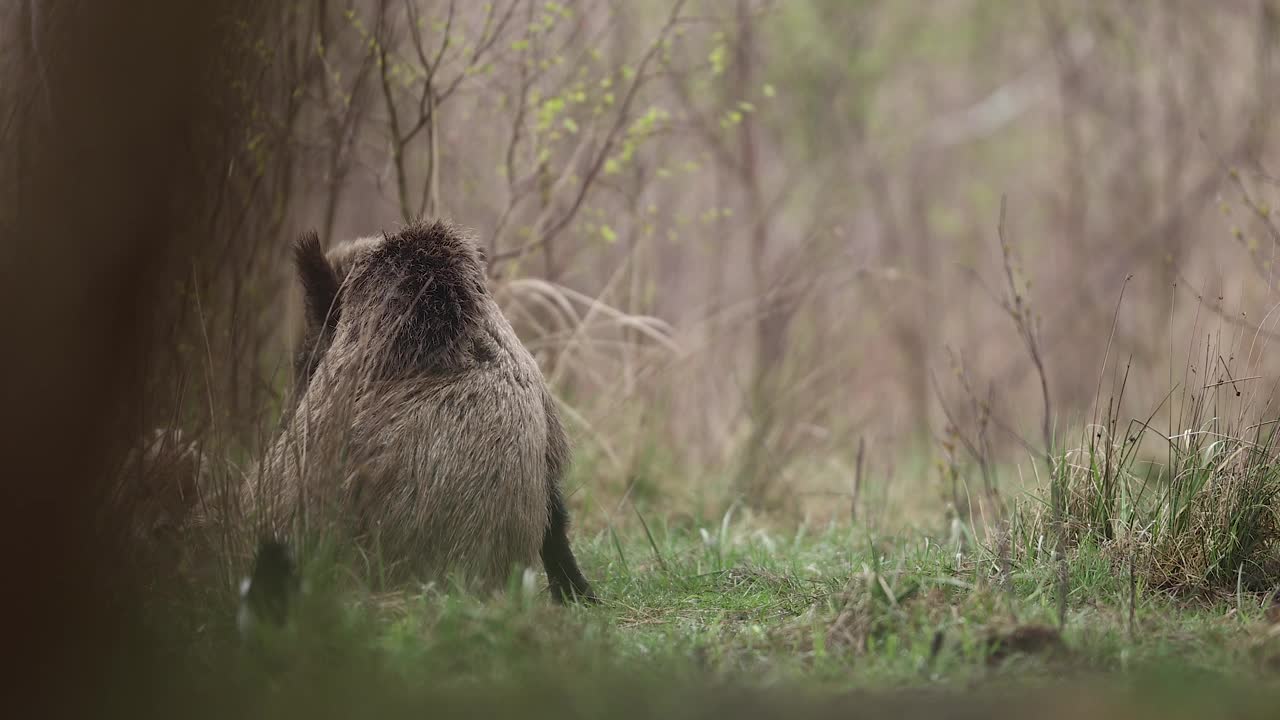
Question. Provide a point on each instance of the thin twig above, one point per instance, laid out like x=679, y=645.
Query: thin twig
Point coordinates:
x=857, y=480
x=547, y=230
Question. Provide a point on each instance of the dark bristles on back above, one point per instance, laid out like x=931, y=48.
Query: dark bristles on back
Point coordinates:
x=435, y=279
x=319, y=282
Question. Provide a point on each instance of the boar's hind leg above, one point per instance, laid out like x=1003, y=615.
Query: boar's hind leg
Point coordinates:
x=563, y=574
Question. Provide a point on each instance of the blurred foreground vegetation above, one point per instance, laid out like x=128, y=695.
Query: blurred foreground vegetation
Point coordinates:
x=704, y=620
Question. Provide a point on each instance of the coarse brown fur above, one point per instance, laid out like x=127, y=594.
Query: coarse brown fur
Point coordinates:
x=422, y=418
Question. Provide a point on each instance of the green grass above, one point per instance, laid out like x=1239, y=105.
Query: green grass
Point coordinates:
x=1172, y=564
x=817, y=613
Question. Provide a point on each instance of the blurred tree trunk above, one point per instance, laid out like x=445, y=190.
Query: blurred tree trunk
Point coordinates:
x=759, y=467
x=103, y=196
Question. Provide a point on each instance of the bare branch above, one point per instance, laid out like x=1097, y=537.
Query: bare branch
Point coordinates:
x=393, y=118
x=547, y=230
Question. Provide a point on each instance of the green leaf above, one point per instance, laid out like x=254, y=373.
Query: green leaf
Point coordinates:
x=718, y=59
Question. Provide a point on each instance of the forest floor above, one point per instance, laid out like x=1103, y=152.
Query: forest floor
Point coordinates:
x=723, y=619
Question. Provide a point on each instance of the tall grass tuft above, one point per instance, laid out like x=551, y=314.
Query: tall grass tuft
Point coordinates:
x=1191, y=507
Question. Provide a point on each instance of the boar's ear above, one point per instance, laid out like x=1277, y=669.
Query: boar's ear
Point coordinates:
x=319, y=281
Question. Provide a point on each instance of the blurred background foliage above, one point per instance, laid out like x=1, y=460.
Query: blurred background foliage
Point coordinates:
x=753, y=244
x=747, y=239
